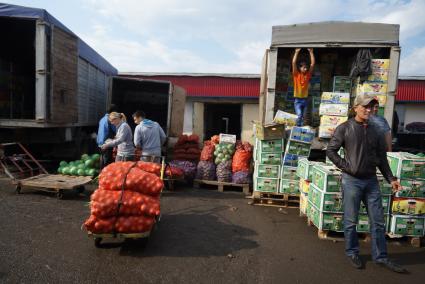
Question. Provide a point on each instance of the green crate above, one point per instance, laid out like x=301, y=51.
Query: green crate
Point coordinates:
x=274, y=146
x=298, y=148
x=412, y=188
x=289, y=186
x=326, y=178
x=325, y=221
x=267, y=171
x=266, y=184
x=385, y=187
x=270, y=158
x=403, y=225
x=324, y=201
x=289, y=173
x=406, y=166
x=304, y=168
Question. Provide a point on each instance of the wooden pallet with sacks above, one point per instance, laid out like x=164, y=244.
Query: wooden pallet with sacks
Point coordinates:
x=197, y=183
x=275, y=199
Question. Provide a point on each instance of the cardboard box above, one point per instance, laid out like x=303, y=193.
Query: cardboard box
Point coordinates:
x=382, y=99
x=303, y=204
x=270, y=158
x=335, y=98
x=289, y=186
x=333, y=109
x=304, y=168
x=302, y=134
x=271, y=146
x=380, y=63
x=304, y=186
x=298, y=148
x=266, y=184
x=326, y=131
x=411, y=188
x=384, y=186
x=289, y=173
x=286, y=118
x=406, y=166
x=325, y=202
x=334, y=121
x=408, y=206
x=342, y=84
x=402, y=225
x=327, y=178
x=372, y=88
x=290, y=160
x=273, y=131
x=378, y=75
x=267, y=171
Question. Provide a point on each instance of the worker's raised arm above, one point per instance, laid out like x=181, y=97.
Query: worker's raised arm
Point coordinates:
x=312, y=60
x=294, y=60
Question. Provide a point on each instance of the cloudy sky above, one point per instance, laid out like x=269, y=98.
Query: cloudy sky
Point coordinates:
x=221, y=36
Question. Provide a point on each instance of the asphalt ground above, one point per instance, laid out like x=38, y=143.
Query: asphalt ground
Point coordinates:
x=204, y=237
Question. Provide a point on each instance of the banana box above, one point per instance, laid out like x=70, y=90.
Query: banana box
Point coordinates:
x=371, y=88
x=331, y=120
x=335, y=98
x=267, y=171
x=286, y=118
x=333, y=109
x=304, y=168
x=406, y=166
x=289, y=186
x=271, y=145
x=266, y=184
x=288, y=173
x=382, y=99
x=403, y=225
x=327, y=178
x=380, y=63
x=326, y=131
x=378, y=75
x=408, y=206
x=304, y=186
x=411, y=188
x=303, y=204
x=270, y=158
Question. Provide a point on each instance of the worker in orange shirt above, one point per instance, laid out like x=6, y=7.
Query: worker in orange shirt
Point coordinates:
x=301, y=75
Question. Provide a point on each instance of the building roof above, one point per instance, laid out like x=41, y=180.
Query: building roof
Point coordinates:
x=209, y=85
x=411, y=89
x=84, y=50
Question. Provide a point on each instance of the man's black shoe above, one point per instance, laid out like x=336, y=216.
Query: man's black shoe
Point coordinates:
x=391, y=266
x=355, y=261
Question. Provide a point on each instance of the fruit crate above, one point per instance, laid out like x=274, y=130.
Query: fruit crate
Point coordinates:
x=302, y=134
x=270, y=158
x=304, y=168
x=266, y=184
x=289, y=173
x=273, y=145
x=298, y=148
x=403, y=225
x=327, y=178
x=412, y=188
x=406, y=166
x=289, y=187
x=267, y=171
x=335, y=98
x=304, y=186
x=291, y=160
x=408, y=206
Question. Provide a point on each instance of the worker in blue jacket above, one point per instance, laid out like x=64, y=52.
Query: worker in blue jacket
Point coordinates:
x=106, y=131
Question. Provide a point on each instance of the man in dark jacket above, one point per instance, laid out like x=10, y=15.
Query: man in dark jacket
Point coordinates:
x=364, y=151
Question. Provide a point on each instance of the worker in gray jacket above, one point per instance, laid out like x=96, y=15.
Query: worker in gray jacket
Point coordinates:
x=123, y=139
x=148, y=136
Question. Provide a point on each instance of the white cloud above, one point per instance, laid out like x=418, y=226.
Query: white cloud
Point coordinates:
x=241, y=29
x=413, y=64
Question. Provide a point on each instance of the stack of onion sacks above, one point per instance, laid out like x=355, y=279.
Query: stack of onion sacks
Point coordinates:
x=127, y=200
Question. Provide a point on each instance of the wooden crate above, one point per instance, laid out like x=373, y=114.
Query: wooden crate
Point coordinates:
x=275, y=199
x=222, y=185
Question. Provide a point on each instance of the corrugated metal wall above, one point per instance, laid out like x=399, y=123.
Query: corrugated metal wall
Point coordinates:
x=92, y=93
x=411, y=91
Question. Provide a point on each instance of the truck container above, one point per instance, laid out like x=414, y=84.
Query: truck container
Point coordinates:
x=54, y=88
x=335, y=47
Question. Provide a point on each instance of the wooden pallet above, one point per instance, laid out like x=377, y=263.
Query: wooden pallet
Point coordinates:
x=221, y=185
x=55, y=183
x=337, y=236
x=275, y=199
x=414, y=241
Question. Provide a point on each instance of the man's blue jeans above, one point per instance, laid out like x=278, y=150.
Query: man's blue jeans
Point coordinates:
x=367, y=190
x=300, y=106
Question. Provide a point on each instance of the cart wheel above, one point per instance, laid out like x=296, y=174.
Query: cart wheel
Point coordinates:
x=18, y=189
x=59, y=194
x=97, y=242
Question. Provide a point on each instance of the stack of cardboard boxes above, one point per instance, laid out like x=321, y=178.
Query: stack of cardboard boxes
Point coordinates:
x=408, y=209
x=333, y=111
x=376, y=84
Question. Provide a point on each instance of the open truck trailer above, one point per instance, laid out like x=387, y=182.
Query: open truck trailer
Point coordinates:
x=335, y=47
x=54, y=88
